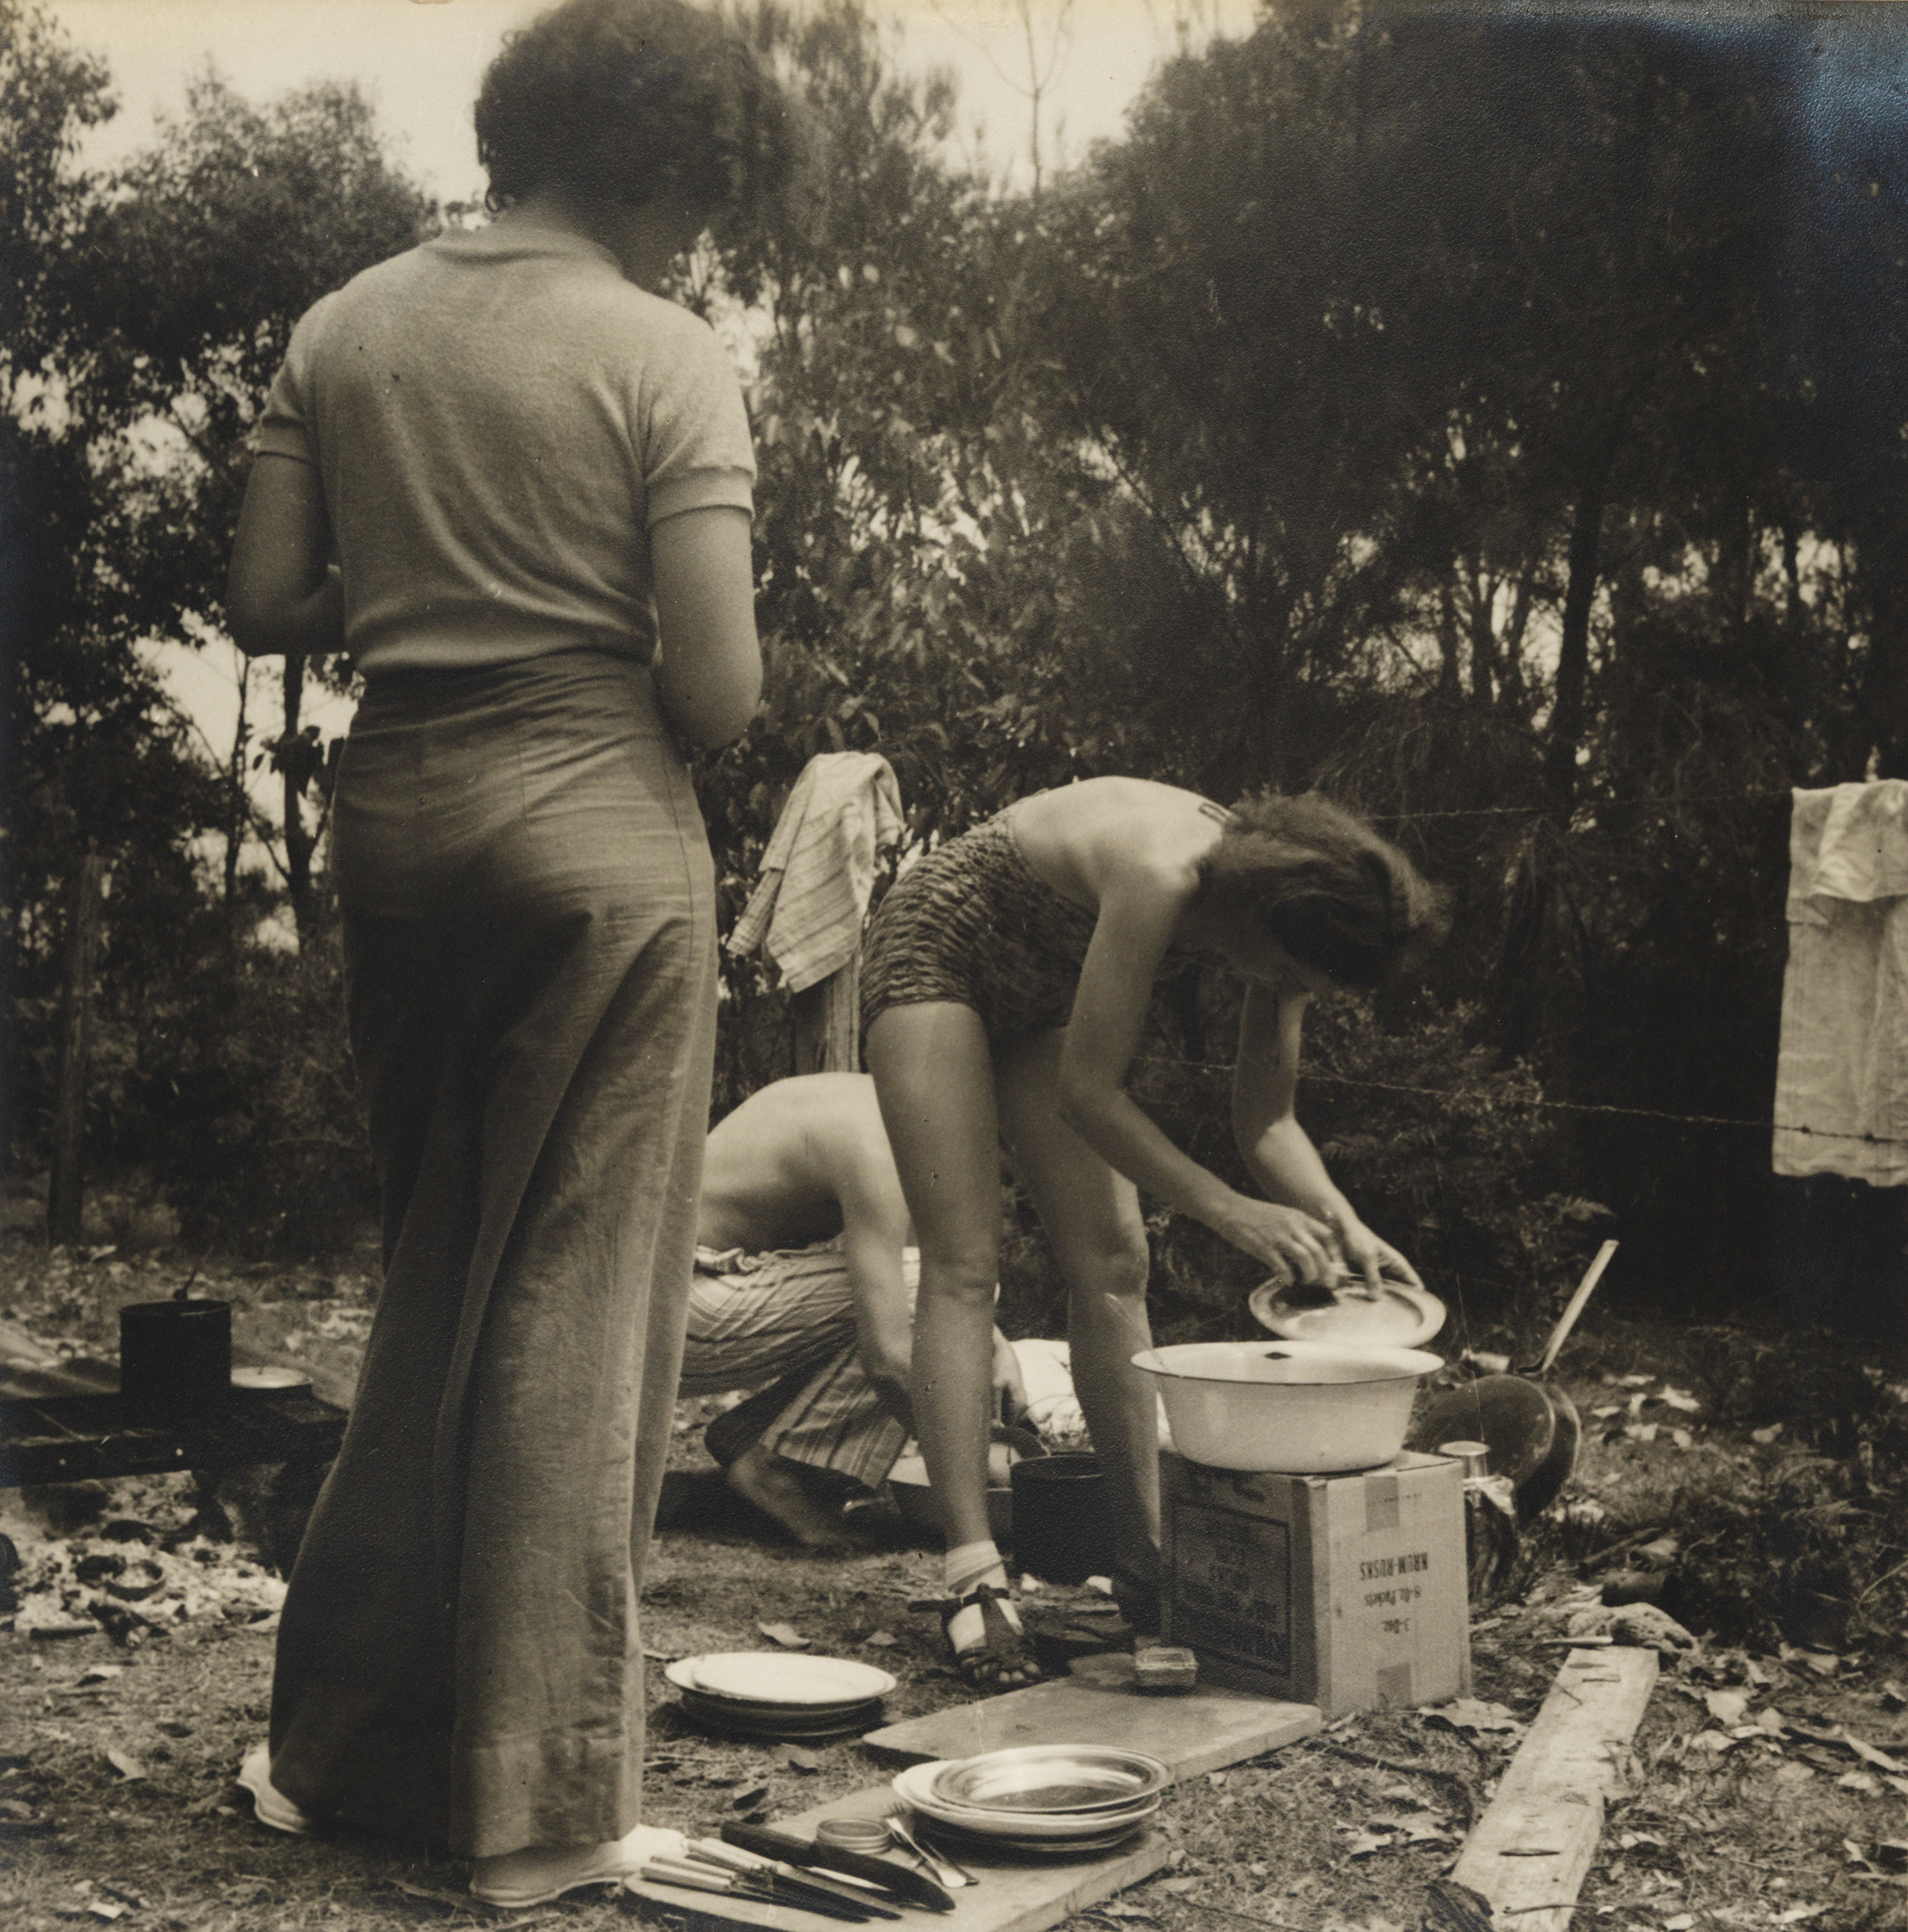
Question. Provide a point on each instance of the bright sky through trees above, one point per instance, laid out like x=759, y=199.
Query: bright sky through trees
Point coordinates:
x=419, y=63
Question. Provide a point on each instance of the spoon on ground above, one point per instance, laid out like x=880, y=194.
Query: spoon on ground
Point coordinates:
x=939, y=1867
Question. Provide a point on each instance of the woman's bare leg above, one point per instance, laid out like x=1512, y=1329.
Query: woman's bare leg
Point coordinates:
x=934, y=1080
x=1092, y=1217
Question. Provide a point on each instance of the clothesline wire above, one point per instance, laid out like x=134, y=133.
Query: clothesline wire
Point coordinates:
x=1531, y=810
x=1559, y=1106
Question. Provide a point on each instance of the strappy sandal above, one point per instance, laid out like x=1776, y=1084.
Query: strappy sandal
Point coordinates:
x=1002, y=1649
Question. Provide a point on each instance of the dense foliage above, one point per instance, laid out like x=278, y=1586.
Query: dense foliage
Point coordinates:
x=1497, y=421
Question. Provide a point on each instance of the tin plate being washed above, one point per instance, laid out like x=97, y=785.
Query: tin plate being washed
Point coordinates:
x=1076, y=1779
x=1401, y=1317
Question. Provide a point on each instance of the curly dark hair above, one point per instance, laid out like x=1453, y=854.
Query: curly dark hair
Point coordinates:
x=622, y=100
x=1319, y=880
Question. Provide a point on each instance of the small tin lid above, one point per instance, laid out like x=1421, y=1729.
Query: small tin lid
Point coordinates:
x=1400, y=1317
x=275, y=1382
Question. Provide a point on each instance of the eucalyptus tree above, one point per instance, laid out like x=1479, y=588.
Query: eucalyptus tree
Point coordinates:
x=212, y=243
x=905, y=586
x=92, y=757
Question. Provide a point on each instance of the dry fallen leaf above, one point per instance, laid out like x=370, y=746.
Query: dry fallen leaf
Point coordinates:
x=787, y=1635
x=1471, y=1713
x=124, y=1763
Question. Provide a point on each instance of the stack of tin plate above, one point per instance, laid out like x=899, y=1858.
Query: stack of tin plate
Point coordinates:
x=1053, y=1801
x=752, y=1693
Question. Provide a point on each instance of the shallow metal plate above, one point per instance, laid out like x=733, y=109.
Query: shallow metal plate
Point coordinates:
x=1054, y=1828
x=978, y=1844
x=1051, y=1779
x=1402, y=1317
x=775, y=1680
x=276, y=1381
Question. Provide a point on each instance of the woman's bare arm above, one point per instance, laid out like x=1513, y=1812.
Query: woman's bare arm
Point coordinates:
x=1276, y=1149
x=282, y=594
x=1139, y=913
x=709, y=671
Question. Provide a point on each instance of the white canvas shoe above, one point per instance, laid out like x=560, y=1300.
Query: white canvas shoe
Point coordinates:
x=537, y=1875
x=271, y=1805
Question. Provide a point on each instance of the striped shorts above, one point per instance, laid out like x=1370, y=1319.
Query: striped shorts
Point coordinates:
x=782, y=1324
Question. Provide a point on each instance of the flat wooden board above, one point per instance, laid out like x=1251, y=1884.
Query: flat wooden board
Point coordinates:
x=1023, y=1896
x=1199, y=1730
x=1529, y=1852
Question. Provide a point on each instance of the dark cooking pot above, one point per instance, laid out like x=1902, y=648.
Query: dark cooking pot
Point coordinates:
x=1530, y=1425
x=175, y=1359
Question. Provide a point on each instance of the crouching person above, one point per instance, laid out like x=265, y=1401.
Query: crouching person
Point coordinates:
x=804, y=1294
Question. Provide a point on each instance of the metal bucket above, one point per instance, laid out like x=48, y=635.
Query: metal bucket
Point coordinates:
x=175, y=1359
x=1062, y=1528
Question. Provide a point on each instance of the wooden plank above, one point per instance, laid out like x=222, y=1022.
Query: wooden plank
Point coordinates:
x=75, y=1438
x=1529, y=1852
x=1014, y=1894
x=1203, y=1730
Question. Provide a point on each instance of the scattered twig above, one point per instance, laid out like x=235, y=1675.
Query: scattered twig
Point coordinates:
x=1455, y=1779
x=450, y=1900
x=1250, y=1917
x=1863, y=1596
x=1622, y=1542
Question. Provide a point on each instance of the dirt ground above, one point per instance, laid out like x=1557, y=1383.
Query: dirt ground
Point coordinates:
x=1768, y=1787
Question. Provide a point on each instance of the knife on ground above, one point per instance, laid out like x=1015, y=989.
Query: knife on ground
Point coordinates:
x=779, y=1871
x=687, y=1876
x=910, y=1887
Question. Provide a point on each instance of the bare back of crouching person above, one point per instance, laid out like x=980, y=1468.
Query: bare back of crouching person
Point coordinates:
x=804, y=1294
x=1005, y=985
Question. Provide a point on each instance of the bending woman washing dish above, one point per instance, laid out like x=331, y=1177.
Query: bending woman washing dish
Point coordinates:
x=1006, y=980
x=534, y=477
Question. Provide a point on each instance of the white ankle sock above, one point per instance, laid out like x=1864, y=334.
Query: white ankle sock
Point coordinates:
x=969, y=1564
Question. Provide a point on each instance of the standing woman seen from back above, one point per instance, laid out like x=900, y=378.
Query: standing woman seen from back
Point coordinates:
x=516, y=485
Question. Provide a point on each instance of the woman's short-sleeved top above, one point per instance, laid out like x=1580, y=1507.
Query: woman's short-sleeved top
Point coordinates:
x=498, y=419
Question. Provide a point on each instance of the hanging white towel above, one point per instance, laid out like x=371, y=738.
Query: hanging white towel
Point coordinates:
x=1841, y=1080
x=818, y=872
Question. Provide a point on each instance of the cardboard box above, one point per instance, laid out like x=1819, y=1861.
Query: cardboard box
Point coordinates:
x=1349, y=1592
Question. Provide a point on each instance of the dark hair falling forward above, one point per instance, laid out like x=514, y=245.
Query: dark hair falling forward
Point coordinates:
x=1317, y=878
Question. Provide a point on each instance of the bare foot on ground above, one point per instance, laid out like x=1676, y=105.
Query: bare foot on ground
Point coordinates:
x=775, y=1486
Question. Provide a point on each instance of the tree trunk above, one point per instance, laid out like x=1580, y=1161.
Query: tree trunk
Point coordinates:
x=65, y=1190
x=1449, y=687
x=1484, y=588
x=299, y=844
x=1569, y=712
x=235, y=802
